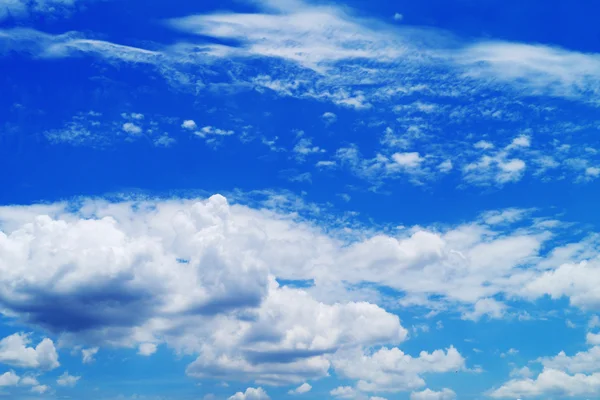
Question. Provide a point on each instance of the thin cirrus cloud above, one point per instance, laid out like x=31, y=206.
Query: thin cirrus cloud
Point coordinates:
x=288, y=35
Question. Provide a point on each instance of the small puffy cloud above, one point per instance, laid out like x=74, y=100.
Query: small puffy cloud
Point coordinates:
x=29, y=381
x=583, y=361
x=326, y=164
x=9, y=379
x=147, y=349
x=488, y=307
x=550, y=382
x=445, y=166
x=137, y=116
x=344, y=392
x=304, y=388
x=40, y=389
x=428, y=394
x=520, y=141
x=408, y=160
x=189, y=124
x=251, y=394
x=329, y=117
x=524, y=372
x=14, y=351
x=398, y=17
x=391, y=370
x=87, y=355
x=67, y=380
x=510, y=352
x=483, y=145
x=305, y=147
x=593, y=172
x=212, y=131
x=164, y=141
x=131, y=128
x=594, y=322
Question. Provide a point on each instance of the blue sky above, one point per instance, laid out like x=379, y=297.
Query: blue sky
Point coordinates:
x=281, y=199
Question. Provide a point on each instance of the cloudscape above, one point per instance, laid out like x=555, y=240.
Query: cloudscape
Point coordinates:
x=299, y=199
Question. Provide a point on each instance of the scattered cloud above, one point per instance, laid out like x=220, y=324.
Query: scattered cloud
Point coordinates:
x=14, y=351
x=131, y=128
x=87, y=355
x=428, y=394
x=67, y=380
x=147, y=349
x=251, y=394
x=304, y=388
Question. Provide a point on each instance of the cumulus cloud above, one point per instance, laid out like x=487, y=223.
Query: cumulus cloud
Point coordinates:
x=390, y=369
x=9, y=379
x=87, y=355
x=304, y=388
x=344, y=392
x=329, y=117
x=67, y=380
x=132, y=128
x=40, y=389
x=147, y=349
x=182, y=276
x=189, y=124
x=550, y=382
x=428, y=394
x=14, y=351
x=251, y=394
x=200, y=276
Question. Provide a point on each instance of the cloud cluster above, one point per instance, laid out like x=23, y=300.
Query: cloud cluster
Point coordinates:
x=201, y=276
x=14, y=351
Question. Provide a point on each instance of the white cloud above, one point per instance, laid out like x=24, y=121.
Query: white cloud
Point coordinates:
x=212, y=131
x=9, y=379
x=577, y=281
x=592, y=171
x=147, y=349
x=592, y=338
x=445, y=166
x=131, y=128
x=329, y=117
x=488, y=307
x=164, y=141
x=523, y=372
x=398, y=17
x=520, y=141
x=29, y=381
x=428, y=394
x=304, y=388
x=584, y=361
x=87, y=355
x=344, y=392
x=189, y=124
x=200, y=287
x=305, y=147
x=550, y=382
x=67, y=380
x=24, y=8
x=408, y=160
x=14, y=352
x=390, y=369
x=325, y=164
x=40, y=389
x=251, y=394
x=484, y=145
